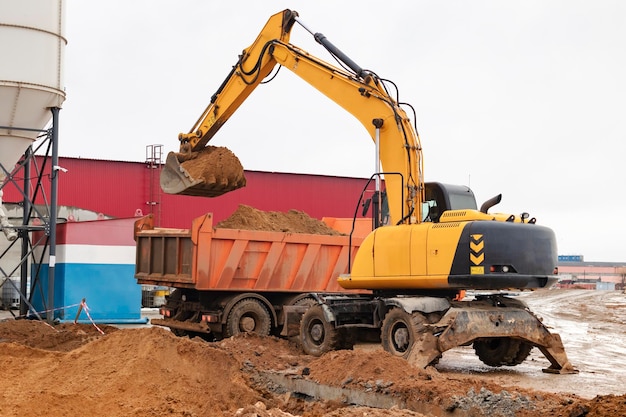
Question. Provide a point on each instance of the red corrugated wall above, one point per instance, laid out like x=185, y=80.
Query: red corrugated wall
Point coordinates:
x=119, y=189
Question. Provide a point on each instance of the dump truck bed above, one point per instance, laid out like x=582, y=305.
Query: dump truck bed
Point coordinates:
x=206, y=258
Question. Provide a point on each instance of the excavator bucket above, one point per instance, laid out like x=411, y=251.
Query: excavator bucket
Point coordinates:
x=211, y=172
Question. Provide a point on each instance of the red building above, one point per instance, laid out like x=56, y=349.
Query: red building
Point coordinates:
x=124, y=189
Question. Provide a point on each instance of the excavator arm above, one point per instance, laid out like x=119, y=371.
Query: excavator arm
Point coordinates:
x=362, y=93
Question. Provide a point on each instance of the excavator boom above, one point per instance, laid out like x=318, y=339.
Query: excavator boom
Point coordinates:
x=358, y=91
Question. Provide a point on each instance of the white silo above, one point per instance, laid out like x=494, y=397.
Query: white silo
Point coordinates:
x=32, y=46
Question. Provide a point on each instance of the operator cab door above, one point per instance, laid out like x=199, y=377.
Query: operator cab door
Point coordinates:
x=419, y=241
x=392, y=262
x=441, y=239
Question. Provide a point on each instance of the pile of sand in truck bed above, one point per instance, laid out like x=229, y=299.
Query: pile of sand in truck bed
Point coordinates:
x=150, y=372
x=294, y=221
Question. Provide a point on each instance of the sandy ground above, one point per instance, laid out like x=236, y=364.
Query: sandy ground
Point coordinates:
x=73, y=369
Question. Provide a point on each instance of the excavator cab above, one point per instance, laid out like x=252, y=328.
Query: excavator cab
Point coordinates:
x=440, y=197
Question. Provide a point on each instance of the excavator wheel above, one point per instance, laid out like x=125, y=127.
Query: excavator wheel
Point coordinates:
x=317, y=335
x=248, y=316
x=522, y=353
x=400, y=331
x=502, y=351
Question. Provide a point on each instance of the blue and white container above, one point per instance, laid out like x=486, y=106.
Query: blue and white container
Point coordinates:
x=95, y=261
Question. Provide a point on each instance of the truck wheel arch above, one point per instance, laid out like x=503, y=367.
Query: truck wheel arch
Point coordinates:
x=235, y=299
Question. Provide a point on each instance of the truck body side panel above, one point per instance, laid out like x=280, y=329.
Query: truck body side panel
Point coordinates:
x=218, y=259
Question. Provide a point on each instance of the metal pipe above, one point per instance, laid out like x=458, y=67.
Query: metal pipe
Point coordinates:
x=24, y=232
x=53, y=212
x=378, y=200
x=377, y=158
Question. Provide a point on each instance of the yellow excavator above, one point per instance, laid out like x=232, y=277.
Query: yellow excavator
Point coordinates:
x=429, y=242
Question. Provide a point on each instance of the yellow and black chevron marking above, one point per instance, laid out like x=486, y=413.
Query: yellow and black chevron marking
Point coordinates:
x=477, y=254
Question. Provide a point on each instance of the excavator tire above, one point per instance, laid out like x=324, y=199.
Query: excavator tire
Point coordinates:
x=522, y=354
x=502, y=351
x=210, y=172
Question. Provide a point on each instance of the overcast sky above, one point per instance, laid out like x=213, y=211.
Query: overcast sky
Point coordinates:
x=524, y=98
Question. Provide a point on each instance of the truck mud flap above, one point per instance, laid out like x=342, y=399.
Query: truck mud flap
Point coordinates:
x=292, y=318
x=462, y=326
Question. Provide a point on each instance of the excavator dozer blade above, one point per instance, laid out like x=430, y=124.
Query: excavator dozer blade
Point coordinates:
x=210, y=172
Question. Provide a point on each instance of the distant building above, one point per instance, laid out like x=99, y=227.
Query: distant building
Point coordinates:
x=575, y=272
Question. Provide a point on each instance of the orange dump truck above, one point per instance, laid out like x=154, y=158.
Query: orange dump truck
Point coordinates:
x=228, y=281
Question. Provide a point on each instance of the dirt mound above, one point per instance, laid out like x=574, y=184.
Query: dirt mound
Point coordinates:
x=294, y=221
x=62, y=337
x=150, y=372
x=131, y=372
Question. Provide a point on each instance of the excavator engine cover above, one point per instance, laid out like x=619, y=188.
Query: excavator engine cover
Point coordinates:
x=210, y=172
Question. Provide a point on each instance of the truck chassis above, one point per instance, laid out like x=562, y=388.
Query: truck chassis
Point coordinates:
x=502, y=329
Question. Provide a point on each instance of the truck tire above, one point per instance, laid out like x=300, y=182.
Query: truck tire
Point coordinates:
x=306, y=301
x=502, y=351
x=400, y=331
x=174, y=301
x=317, y=336
x=248, y=316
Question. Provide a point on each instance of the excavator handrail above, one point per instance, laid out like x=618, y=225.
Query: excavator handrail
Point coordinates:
x=354, y=217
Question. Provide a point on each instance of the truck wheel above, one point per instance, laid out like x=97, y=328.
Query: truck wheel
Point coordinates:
x=400, y=330
x=306, y=301
x=502, y=351
x=248, y=316
x=316, y=334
